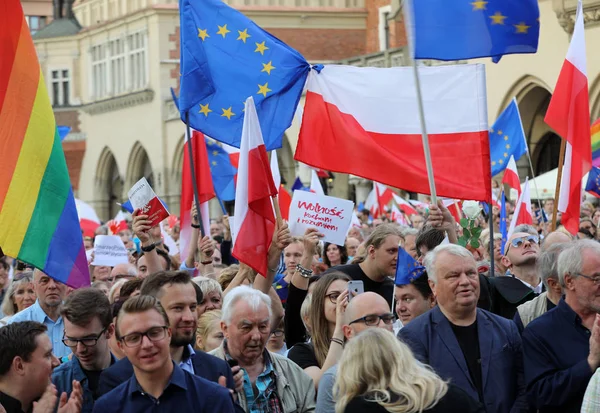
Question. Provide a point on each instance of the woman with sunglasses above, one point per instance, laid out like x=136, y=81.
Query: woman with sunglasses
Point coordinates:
x=19, y=295
x=329, y=301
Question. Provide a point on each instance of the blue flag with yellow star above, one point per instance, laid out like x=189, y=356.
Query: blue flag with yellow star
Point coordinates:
x=407, y=268
x=507, y=138
x=225, y=58
x=503, y=222
x=593, y=182
x=221, y=170
x=468, y=29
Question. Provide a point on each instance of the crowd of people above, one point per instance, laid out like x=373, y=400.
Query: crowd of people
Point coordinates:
x=205, y=333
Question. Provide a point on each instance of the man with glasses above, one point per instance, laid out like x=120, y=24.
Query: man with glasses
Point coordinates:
x=473, y=348
x=522, y=282
x=158, y=383
x=367, y=310
x=88, y=329
x=561, y=348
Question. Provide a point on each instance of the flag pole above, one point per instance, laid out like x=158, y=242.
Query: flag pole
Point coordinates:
x=561, y=161
x=193, y=170
x=277, y=210
x=424, y=134
x=492, y=272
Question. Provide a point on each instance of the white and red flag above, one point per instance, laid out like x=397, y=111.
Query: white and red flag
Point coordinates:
x=569, y=115
x=254, y=218
x=523, y=213
x=511, y=175
x=315, y=183
x=398, y=216
x=365, y=121
x=284, y=199
x=404, y=205
x=88, y=219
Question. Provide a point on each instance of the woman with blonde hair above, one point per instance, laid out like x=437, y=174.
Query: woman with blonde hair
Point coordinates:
x=208, y=333
x=378, y=373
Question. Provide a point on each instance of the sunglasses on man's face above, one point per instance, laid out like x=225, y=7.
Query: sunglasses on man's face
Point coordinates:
x=519, y=242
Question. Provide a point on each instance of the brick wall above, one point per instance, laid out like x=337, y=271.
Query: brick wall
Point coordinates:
x=68, y=118
x=323, y=44
x=174, y=54
x=74, y=152
x=397, y=34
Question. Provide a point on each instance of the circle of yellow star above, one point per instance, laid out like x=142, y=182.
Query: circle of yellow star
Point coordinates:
x=227, y=113
x=507, y=146
x=267, y=67
x=493, y=163
x=203, y=34
x=479, y=4
x=223, y=30
x=521, y=27
x=260, y=48
x=263, y=89
x=497, y=18
x=215, y=153
x=499, y=132
x=204, y=109
x=243, y=35
x=505, y=155
x=501, y=162
x=505, y=137
x=214, y=163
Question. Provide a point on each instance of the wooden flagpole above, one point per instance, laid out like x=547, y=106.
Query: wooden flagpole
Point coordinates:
x=277, y=211
x=561, y=161
x=193, y=170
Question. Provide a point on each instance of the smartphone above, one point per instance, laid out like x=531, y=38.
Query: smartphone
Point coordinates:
x=355, y=287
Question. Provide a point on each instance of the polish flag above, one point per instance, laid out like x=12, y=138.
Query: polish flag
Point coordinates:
x=384, y=195
x=364, y=121
x=398, y=216
x=569, y=115
x=88, y=219
x=284, y=199
x=404, y=205
x=206, y=190
x=254, y=218
x=371, y=203
x=454, y=207
x=511, y=175
x=315, y=183
x=523, y=213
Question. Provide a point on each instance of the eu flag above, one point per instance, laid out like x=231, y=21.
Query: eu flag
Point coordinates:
x=593, y=182
x=503, y=223
x=222, y=171
x=407, y=268
x=225, y=58
x=468, y=29
x=507, y=138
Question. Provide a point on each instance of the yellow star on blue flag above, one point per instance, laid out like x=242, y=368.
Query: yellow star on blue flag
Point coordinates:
x=219, y=70
x=509, y=138
x=407, y=268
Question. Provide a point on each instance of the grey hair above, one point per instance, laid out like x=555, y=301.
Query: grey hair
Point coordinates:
x=570, y=260
x=525, y=228
x=547, y=261
x=252, y=297
x=208, y=285
x=431, y=257
x=409, y=231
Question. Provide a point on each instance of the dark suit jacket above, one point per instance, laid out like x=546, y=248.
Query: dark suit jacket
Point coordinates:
x=433, y=342
x=206, y=366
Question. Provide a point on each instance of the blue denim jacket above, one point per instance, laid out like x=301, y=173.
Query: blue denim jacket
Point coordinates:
x=63, y=376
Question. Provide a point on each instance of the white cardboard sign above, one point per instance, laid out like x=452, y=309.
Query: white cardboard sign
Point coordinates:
x=109, y=251
x=331, y=216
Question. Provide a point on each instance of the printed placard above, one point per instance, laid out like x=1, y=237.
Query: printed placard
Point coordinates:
x=331, y=216
x=142, y=197
x=109, y=251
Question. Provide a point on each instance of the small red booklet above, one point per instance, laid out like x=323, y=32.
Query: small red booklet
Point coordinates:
x=143, y=197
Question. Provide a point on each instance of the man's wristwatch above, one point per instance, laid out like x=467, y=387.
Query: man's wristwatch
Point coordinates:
x=305, y=273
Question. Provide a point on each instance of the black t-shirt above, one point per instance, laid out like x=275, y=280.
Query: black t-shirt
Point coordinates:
x=303, y=354
x=549, y=304
x=93, y=377
x=384, y=288
x=10, y=404
x=468, y=340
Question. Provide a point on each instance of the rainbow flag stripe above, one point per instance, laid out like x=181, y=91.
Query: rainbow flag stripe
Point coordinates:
x=596, y=143
x=38, y=220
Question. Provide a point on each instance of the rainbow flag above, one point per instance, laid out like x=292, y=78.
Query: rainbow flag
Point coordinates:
x=596, y=143
x=38, y=220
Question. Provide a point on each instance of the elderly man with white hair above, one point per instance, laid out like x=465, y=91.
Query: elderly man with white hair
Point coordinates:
x=561, y=348
x=473, y=348
x=271, y=382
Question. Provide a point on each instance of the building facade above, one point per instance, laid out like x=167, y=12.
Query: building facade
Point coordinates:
x=110, y=80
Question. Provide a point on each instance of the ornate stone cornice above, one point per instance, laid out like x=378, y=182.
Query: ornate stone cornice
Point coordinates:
x=119, y=102
x=565, y=13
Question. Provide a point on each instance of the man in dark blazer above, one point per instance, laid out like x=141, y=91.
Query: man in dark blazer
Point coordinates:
x=473, y=348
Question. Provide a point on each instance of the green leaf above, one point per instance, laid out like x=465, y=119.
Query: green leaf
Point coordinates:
x=476, y=232
x=466, y=233
x=464, y=222
x=475, y=243
x=462, y=242
x=472, y=223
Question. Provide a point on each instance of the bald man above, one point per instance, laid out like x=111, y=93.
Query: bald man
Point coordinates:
x=367, y=310
x=123, y=271
x=555, y=237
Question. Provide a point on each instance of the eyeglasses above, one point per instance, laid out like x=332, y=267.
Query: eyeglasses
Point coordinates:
x=87, y=342
x=518, y=242
x=154, y=334
x=373, y=319
x=333, y=296
x=277, y=333
x=595, y=280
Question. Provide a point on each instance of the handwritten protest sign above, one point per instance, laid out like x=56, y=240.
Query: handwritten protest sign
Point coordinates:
x=142, y=197
x=331, y=216
x=109, y=250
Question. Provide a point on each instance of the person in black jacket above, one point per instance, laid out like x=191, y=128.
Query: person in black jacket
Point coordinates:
x=379, y=373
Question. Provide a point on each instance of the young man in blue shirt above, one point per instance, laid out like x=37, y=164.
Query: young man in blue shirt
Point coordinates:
x=158, y=384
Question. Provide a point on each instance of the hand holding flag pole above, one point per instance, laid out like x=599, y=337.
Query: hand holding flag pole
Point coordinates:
x=193, y=170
